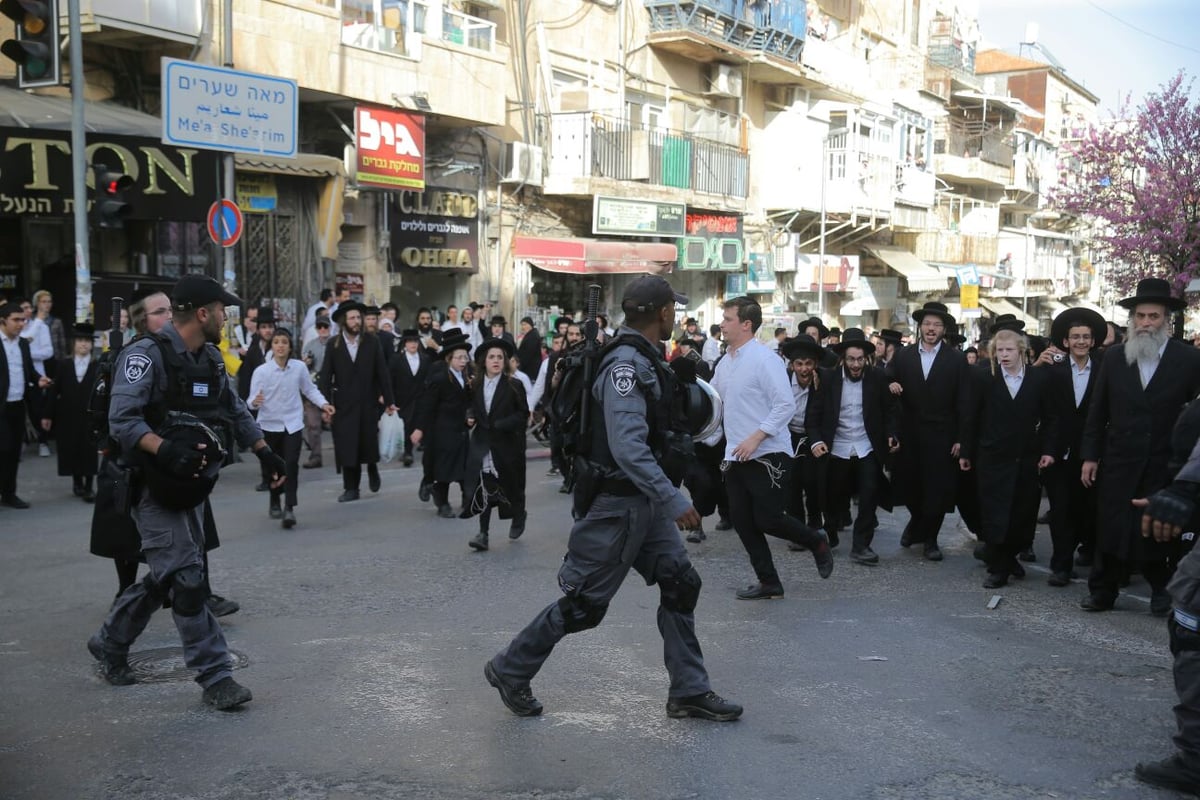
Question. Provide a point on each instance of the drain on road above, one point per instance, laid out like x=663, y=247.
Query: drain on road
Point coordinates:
x=165, y=665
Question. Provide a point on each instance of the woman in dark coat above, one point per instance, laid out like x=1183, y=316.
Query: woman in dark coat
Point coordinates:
x=496, y=457
x=66, y=410
x=1009, y=437
x=442, y=419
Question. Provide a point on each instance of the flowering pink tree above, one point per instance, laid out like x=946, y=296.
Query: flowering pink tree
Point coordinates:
x=1138, y=182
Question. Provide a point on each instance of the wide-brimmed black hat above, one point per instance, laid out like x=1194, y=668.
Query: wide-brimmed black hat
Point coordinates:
x=802, y=346
x=1153, y=290
x=835, y=331
x=455, y=340
x=266, y=315
x=498, y=320
x=890, y=336
x=488, y=344
x=937, y=309
x=956, y=339
x=371, y=311
x=1074, y=317
x=853, y=337
x=1008, y=322
x=83, y=330
x=345, y=308
x=814, y=322
x=410, y=334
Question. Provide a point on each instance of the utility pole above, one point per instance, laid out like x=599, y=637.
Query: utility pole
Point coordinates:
x=229, y=266
x=79, y=168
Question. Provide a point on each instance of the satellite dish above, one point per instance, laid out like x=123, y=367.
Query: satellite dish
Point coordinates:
x=1031, y=33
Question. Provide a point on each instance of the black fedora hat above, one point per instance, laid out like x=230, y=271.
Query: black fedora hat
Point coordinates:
x=1008, y=322
x=83, y=330
x=455, y=340
x=345, y=308
x=410, y=334
x=802, y=346
x=814, y=322
x=266, y=315
x=1153, y=290
x=938, y=310
x=498, y=320
x=956, y=339
x=854, y=337
x=890, y=336
x=488, y=344
x=1074, y=317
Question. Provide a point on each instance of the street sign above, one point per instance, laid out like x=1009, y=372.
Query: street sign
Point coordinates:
x=225, y=223
x=624, y=216
x=223, y=109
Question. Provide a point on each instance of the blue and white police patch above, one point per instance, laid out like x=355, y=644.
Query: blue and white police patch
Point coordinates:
x=136, y=367
x=624, y=378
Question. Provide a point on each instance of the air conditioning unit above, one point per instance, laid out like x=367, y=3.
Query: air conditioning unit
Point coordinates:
x=724, y=80
x=525, y=164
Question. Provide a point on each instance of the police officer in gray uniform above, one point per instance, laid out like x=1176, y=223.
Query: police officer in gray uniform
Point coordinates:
x=175, y=382
x=631, y=521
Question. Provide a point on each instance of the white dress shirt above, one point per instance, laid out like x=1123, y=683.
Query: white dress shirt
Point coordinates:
x=1146, y=367
x=352, y=347
x=1013, y=382
x=81, y=367
x=414, y=361
x=539, y=386
x=41, y=347
x=850, y=439
x=800, y=396
x=524, y=379
x=458, y=376
x=711, y=350
x=282, y=388
x=16, y=369
x=1079, y=379
x=927, y=357
x=757, y=398
x=489, y=393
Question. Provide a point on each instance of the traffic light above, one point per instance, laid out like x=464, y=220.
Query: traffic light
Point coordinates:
x=35, y=50
x=109, y=208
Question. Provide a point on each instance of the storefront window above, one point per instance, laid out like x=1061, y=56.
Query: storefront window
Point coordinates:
x=182, y=247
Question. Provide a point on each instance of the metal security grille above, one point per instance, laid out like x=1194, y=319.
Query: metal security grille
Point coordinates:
x=266, y=258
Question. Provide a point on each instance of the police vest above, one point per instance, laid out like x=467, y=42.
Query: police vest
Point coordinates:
x=194, y=385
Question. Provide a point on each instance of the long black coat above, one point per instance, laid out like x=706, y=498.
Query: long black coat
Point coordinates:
x=502, y=433
x=1071, y=418
x=67, y=405
x=1128, y=431
x=255, y=357
x=354, y=388
x=406, y=386
x=926, y=475
x=529, y=354
x=1004, y=437
x=442, y=418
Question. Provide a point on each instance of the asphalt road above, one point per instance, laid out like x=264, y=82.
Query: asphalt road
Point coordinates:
x=363, y=634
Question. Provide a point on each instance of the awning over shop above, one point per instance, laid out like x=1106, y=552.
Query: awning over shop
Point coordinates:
x=595, y=256
x=998, y=306
x=920, y=276
x=1054, y=307
x=304, y=165
x=22, y=110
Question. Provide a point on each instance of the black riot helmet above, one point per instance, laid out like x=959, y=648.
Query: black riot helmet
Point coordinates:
x=699, y=407
x=180, y=494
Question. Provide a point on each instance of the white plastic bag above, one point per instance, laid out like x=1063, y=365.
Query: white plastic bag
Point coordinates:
x=391, y=437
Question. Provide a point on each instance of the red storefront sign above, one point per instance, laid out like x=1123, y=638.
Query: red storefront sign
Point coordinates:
x=391, y=148
x=595, y=256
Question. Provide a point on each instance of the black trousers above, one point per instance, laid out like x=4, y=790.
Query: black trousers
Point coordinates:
x=845, y=476
x=966, y=498
x=1072, y=513
x=808, y=485
x=352, y=475
x=288, y=445
x=704, y=483
x=1158, y=561
x=12, y=438
x=758, y=499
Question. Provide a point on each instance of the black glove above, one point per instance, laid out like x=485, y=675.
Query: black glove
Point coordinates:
x=275, y=465
x=179, y=459
x=1174, y=505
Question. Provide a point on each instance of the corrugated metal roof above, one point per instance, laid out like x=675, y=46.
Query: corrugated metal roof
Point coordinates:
x=305, y=165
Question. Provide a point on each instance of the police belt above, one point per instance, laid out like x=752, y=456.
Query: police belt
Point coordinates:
x=1186, y=620
x=622, y=487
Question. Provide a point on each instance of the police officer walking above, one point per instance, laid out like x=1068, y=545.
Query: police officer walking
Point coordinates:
x=627, y=511
x=167, y=390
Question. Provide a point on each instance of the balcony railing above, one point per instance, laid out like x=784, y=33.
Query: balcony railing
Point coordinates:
x=400, y=27
x=588, y=145
x=949, y=49
x=915, y=185
x=993, y=147
x=774, y=27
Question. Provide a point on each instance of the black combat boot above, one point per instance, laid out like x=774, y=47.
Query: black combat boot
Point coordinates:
x=709, y=705
x=114, y=668
x=227, y=694
x=1171, y=773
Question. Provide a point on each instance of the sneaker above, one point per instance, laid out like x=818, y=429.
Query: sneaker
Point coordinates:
x=709, y=705
x=1170, y=773
x=227, y=694
x=114, y=668
x=757, y=591
x=518, y=699
x=220, y=607
x=44, y=450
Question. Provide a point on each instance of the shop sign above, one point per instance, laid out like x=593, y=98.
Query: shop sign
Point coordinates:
x=436, y=228
x=390, y=148
x=349, y=282
x=712, y=242
x=622, y=216
x=256, y=193
x=761, y=277
x=735, y=285
x=170, y=183
x=839, y=273
x=968, y=299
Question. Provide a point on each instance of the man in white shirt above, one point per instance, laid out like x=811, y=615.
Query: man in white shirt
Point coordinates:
x=41, y=348
x=452, y=323
x=18, y=381
x=310, y=316
x=711, y=350
x=758, y=406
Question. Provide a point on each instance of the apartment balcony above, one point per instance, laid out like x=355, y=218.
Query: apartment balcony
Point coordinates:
x=948, y=246
x=844, y=73
x=401, y=29
x=950, y=47
x=915, y=186
x=137, y=23
x=768, y=37
x=979, y=159
x=594, y=154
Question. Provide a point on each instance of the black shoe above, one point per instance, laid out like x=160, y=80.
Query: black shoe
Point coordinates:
x=553, y=472
x=1170, y=773
x=995, y=580
x=1160, y=602
x=373, y=481
x=276, y=512
x=480, y=542
x=348, y=496
x=834, y=541
x=408, y=459
x=1027, y=555
x=446, y=512
x=1059, y=579
x=1094, y=602
x=77, y=489
x=312, y=463
x=756, y=591
x=424, y=492
x=723, y=524
x=88, y=496
x=564, y=489
x=864, y=556
x=262, y=487
x=823, y=556
x=289, y=518
x=980, y=552
x=709, y=705
x=933, y=552
x=227, y=694
x=1083, y=559
x=697, y=536
x=115, y=669
x=518, y=699
x=906, y=538
x=1016, y=570
x=12, y=501
x=220, y=607
x=517, y=527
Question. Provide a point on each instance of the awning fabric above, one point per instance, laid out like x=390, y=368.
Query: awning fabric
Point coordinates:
x=595, y=256
x=304, y=165
x=920, y=276
x=1054, y=307
x=23, y=110
x=999, y=306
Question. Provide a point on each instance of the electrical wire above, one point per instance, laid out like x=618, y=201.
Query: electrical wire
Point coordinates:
x=1142, y=31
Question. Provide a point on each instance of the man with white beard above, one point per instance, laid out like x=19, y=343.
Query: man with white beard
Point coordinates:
x=1143, y=385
